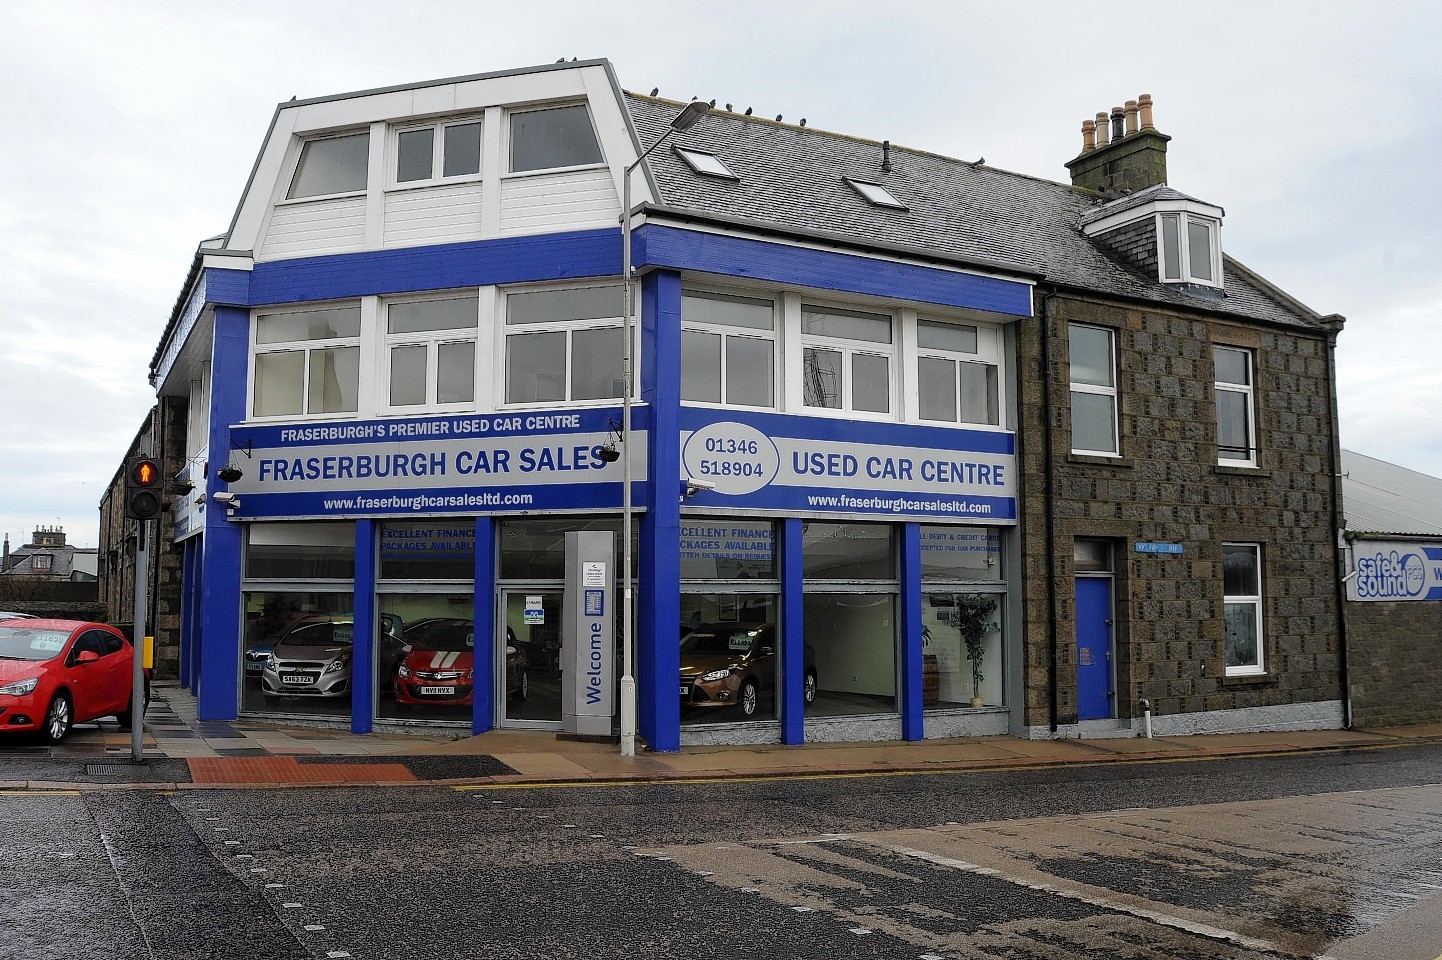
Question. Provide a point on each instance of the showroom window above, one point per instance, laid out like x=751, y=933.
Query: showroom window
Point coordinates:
x=331, y=165
x=956, y=382
x=849, y=612
x=1242, y=608
x=431, y=351
x=728, y=350
x=437, y=152
x=962, y=599
x=564, y=344
x=1093, y=390
x=1236, y=407
x=846, y=358
x=553, y=138
x=298, y=593
x=731, y=645
x=306, y=362
x=426, y=651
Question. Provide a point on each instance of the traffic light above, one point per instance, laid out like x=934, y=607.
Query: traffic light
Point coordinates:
x=142, y=488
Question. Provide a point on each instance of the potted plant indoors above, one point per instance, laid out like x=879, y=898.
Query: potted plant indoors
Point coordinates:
x=972, y=619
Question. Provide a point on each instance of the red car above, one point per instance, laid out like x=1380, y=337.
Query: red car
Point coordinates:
x=57, y=673
x=438, y=664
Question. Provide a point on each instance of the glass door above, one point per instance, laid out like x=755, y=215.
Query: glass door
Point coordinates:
x=529, y=662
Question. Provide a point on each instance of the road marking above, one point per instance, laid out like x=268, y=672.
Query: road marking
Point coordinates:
x=1106, y=903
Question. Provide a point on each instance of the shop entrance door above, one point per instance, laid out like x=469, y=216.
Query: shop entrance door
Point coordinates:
x=529, y=662
x=1094, y=648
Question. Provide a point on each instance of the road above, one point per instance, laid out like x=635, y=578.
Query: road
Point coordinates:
x=1336, y=854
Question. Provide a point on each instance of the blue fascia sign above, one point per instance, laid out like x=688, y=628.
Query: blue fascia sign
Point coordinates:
x=488, y=463
x=1395, y=571
x=815, y=465
x=1172, y=548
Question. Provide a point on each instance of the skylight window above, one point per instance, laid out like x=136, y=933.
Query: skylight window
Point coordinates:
x=876, y=194
x=706, y=163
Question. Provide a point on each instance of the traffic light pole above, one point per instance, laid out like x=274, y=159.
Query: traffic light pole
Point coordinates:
x=137, y=676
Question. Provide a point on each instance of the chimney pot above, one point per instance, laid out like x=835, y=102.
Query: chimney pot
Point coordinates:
x=1144, y=102
x=1117, y=115
x=1131, y=117
x=1101, y=123
x=1089, y=136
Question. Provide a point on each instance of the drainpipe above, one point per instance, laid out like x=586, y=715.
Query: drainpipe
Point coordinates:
x=1048, y=497
x=1339, y=559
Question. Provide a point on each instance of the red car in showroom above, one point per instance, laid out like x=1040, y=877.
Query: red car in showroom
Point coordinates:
x=57, y=673
x=438, y=665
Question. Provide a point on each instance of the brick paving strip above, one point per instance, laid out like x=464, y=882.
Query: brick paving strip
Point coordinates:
x=229, y=771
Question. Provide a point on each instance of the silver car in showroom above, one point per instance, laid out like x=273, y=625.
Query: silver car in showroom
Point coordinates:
x=312, y=657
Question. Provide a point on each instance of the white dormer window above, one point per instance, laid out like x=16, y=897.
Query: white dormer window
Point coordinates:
x=438, y=151
x=331, y=165
x=1189, y=248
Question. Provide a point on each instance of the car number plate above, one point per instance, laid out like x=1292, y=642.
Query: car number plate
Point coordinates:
x=438, y=691
x=685, y=691
x=296, y=679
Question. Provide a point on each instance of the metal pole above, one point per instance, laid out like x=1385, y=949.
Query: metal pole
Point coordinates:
x=628, y=647
x=137, y=672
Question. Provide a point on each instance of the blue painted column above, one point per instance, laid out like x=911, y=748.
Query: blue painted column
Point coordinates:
x=483, y=622
x=217, y=687
x=658, y=613
x=363, y=630
x=909, y=681
x=793, y=635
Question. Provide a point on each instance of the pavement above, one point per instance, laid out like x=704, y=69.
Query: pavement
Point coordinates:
x=183, y=752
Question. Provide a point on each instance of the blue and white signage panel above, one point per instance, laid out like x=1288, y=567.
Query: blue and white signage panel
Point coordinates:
x=516, y=462
x=830, y=466
x=1395, y=571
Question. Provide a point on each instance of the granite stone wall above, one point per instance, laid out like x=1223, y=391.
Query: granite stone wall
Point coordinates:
x=1167, y=487
x=1394, y=654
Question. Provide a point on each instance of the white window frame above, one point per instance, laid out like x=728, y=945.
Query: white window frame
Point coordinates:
x=504, y=330
x=1248, y=392
x=432, y=340
x=1255, y=602
x=301, y=145
x=705, y=163
x=849, y=350
x=508, y=145
x=988, y=354
x=438, y=153
x=1098, y=390
x=1184, y=221
x=729, y=331
x=305, y=348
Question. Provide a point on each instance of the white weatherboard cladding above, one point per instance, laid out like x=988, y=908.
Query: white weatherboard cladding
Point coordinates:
x=575, y=200
x=559, y=201
x=322, y=226
x=447, y=214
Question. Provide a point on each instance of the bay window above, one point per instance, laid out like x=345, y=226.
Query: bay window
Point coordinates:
x=564, y=344
x=307, y=362
x=728, y=350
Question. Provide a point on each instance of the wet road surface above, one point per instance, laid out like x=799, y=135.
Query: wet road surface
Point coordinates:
x=1300, y=856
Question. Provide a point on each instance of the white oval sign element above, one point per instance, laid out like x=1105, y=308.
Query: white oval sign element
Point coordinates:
x=737, y=458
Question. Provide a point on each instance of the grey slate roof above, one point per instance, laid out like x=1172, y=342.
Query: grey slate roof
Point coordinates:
x=1381, y=497
x=792, y=180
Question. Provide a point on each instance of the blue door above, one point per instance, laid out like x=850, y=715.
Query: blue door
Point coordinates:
x=1093, y=648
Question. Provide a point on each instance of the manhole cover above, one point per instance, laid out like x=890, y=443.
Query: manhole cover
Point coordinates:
x=115, y=769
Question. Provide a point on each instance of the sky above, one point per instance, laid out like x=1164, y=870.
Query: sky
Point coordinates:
x=135, y=125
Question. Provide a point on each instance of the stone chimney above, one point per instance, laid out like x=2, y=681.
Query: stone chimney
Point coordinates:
x=1122, y=152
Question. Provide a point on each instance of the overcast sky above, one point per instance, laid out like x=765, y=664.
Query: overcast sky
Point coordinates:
x=133, y=127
